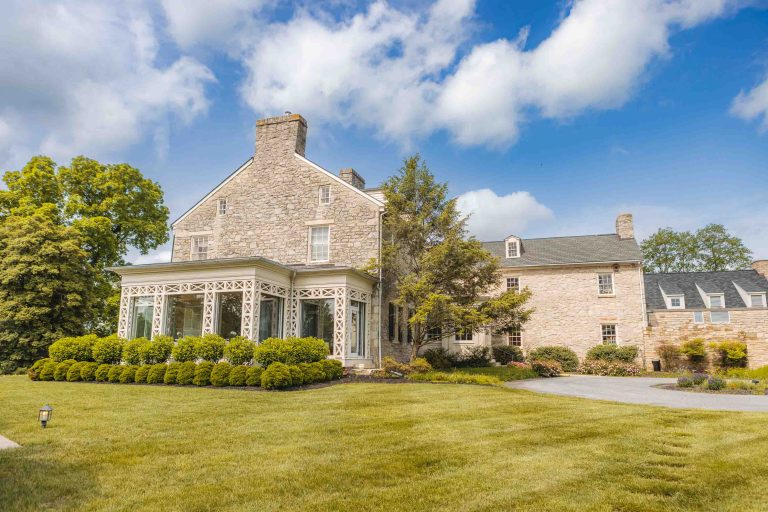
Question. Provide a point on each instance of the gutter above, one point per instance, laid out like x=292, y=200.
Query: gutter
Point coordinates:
x=381, y=289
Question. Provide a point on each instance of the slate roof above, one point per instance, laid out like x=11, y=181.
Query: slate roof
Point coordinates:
x=710, y=282
x=566, y=250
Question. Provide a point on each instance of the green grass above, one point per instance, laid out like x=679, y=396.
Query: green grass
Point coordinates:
x=505, y=373
x=373, y=447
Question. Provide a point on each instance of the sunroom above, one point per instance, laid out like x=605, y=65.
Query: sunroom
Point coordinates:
x=252, y=297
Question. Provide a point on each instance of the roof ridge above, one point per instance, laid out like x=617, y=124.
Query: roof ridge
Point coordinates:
x=699, y=272
x=555, y=237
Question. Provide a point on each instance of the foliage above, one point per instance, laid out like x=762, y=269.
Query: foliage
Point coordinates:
x=513, y=371
x=88, y=371
x=73, y=374
x=505, y=354
x=699, y=378
x=34, y=371
x=62, y=368
x=611, y=367
x=440, y=358
x=297, y=375
x=203, y=374
x=134, y=350
x=114, y=373
x=220, y=374
x=277, y=375
x=210, y=348
x=438, y=275
x=157, y=351
x=186, y=373
x=392, y=366
x=142, y=373
x=128, y=375
x=744, y=373
x=567, y=358
x=314, y=372
x=715, y=383
x=730, y=353
x=108, y=350
x=546, y=367
x=474, y=357
x=79, y=348
x=185, y=349
x=156, y=373
x=332, y=368
x=171, y=372
x=420, y=365
x=102, y=372
x=684, y=382
x=669, y=355
x=455, y=378
x=253, y=376
x=611, y=352
x=239, y=350
x=711, y=248
x=47, y=371
x=696, y=353
x=290, y=351
x=238, y=375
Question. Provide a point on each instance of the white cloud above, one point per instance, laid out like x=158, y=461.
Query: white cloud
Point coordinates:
x=494, y=217
x=197, y=22
x=753, y=104
x=83, y=77
x=162, y=256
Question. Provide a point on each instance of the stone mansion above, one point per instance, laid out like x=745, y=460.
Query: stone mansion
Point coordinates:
x=276, y=250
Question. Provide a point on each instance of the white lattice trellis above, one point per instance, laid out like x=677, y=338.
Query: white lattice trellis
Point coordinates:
x=209, y=308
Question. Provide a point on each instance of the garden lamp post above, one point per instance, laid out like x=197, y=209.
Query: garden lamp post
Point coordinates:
x=45, y=414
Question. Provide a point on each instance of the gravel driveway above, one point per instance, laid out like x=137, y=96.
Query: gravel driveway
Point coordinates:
x=640, y=390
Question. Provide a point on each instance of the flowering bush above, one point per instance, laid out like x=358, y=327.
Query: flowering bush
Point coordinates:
x=518, y=364
x=567, y=358
x=613, y=368
x=546, y=367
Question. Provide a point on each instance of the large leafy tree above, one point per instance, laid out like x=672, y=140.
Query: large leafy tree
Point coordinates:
x=442, y=278
x=710, y=248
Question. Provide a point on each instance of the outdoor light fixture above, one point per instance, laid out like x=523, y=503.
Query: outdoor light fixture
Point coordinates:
x=45, y=414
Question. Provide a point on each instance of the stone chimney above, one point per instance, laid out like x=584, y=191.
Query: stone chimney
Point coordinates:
x=761, y=267
x=281, y=134
x=349, y=175
x=624, y=227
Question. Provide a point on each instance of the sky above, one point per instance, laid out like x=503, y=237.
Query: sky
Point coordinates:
x=546, y=118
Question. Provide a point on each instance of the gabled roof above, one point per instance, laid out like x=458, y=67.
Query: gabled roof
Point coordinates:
x=568, y=250
x=709, y=282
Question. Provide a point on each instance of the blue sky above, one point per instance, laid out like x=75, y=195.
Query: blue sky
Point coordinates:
x=546, y=118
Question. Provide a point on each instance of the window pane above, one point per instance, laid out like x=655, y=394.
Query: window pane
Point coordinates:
x=317, y=319
x=609, y=333
x=720, y=317
x=715, y=301
x=357, y=329
x=675, y=302
x=230, y=314
x=512, y=249
x=141, y=317
x=199, y=248
x=698, y=317
x=513, y=283
x=185, y=315
x=319, y=244
x=270, y=317
x=757, y=300
x=605, y=284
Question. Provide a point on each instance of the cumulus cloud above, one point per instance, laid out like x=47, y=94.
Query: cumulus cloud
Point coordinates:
x=84, y=77
x=494, y=217
x=160, y=256
x=199, y=22
x=753, y=105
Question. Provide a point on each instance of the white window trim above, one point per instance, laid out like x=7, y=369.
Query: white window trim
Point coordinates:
x=506, y=282
x=320, y=195
x=702, y=317
x=762, y=297
x=613, y=284
x=615, y=328
x=720, y=310
x=192, y=252
x=225, y=201
x=509, y=243
x=669, y=301
x=471, y=340
x=709, y=300
x=309, y=244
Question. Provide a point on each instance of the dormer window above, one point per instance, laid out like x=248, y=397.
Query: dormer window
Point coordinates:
x=757, y=300
x=676, y=302
x=716, y=300
x=513, y=248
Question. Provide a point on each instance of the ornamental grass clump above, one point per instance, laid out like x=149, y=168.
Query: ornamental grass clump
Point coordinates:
x=220, y=374
x=237, y=375
x=184, y=350
x=186, y=373
x=239, y=350
x=203, y=374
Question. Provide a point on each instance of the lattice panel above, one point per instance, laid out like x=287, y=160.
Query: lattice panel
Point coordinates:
x=247, y=311
x=157, y=314
x=340, y=323
x=293, y=314
x=209, y=308
x=125, y=304
x=273, y=289
x=359, y=295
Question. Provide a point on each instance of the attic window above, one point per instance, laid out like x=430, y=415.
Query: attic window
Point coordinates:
x=677, y=302
x=223, y=206
x=513, y=248
x=716, y=301
x=324, y=193
x=757, y=300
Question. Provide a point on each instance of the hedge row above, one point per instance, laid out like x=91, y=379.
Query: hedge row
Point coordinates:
x=275, y=376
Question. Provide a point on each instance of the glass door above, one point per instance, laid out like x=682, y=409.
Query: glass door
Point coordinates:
x=357, y=329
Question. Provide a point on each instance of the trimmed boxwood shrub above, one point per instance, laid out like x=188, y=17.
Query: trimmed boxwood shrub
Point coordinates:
x=78, y=348
x=290, y=351
x=505, y=354
x=315, y=372
x=73, y=374
x=611, y=352
x=297, y=375
x=156, y=373
x=128, y=376
x=210, y=348
x=49, y=368
x=475, y=357
x=108, y=350
x=34, y=371
x=88, y=372
x=276, y=376
x=440, y=358
x=332, y=368
x=142, y=372
x=102, y=372
x=184, y=350
x=171, y=373
x=134, y=349
x=253, y=376
x=239, y=350
x=157, y=351
x=220, y=374
x=114, y=373
x=203, y=374
x=237, y=375
x=186, y=373
x=62, y=368
x=567, y=358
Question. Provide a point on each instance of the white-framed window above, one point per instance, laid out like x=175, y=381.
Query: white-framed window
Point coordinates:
x=464, y=335
x=513, y=248
x=677, y=302
x=223, y=206
x=319, y=243
x=698, y=317
x=516, y=336
x=720, y=317
x=609, y=334
x=513, y=283
x=716, y=300
x=757, y=300
x=199, y=249
x=324, y=194
x=605, y=284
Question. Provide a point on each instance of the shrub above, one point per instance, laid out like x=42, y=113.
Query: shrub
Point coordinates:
x=420, y=365
x=34, y=371
x=505, y=354
x=60, y=373
x=290, y=351
x=142, y=373
x=186, y=373
x=312, y=372
x=114, y=373
x=237, y=375
x=669, y=355
x=156, y=373
x=203, y=374
x=440, y=358
x=157, y=351
x=297, y=375
x=609, y=367
x=276, y=376
x=474, y=357
x=210, y=348
x=185, y=350
x=88, y=371
x=108, y=350
x=171, y=372
x=73, y=374
x=220, y=374
x=134, y=350
x=128, y=376
x=332, y=368
x=715, y=383
x=611, y=352
x=78, y=348
x=47, y=371
x=567, y=358
x=392, y=367
x=456, y=378
x=743, y=373
x=546, y=367
x=253, y=376
x=730, y=353
x=698, y=378
x=319, y=373
x=696, y=353
x=684, y=382
x=102, y=372
x=239, y=350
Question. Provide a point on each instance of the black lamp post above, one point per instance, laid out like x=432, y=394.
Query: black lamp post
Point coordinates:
x=45, y=414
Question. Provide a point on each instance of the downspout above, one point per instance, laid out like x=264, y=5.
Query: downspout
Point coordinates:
x=381, y=282
x=644, y=322
x=290, y=310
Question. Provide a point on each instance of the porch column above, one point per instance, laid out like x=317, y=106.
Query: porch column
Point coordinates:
x=340, y=324
x=158, y=310
x=124, y=319
x=209, y=305
x=250, y=308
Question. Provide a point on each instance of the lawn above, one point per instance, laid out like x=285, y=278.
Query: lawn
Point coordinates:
x=505, y=373
x=385, y=447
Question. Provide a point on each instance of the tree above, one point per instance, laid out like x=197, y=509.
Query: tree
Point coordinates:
x=437, y=274
x=47, y=290
x=710, y=248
